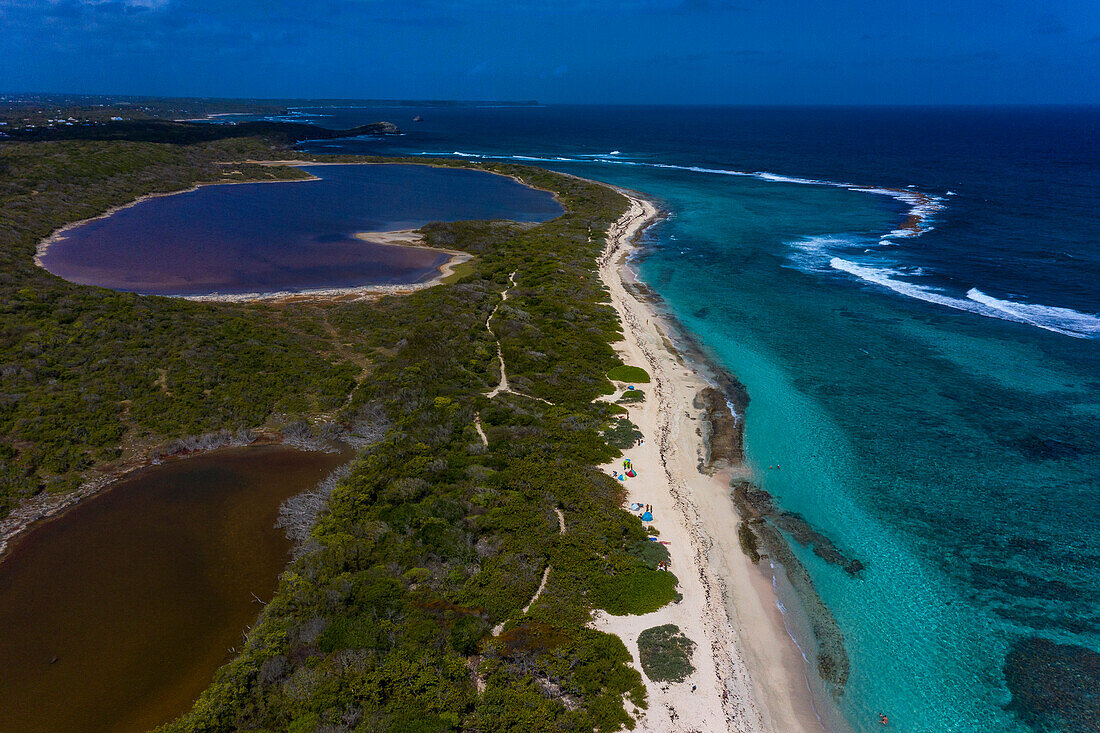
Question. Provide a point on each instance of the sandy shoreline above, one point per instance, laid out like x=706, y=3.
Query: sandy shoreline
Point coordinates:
x=395, y=238
x=749, y=674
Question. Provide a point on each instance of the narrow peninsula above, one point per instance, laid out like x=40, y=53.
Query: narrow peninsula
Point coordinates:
x=483, y=562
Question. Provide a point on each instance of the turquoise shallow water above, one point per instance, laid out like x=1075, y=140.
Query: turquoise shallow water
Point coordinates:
x=891, y=425
x=933, y=401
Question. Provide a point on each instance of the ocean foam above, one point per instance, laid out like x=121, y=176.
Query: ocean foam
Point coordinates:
x=818, y=253
x=1053, y=318
x=1065, y=321
x=922, y=206
x=814, y=254
x=777, y=178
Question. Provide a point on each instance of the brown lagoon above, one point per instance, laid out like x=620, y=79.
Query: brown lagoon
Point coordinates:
x=115, y=615
x=287, y=237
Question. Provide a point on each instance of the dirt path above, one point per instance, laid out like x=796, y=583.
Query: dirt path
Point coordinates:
x=480, y=430
x=503, y=385
x=545, y=577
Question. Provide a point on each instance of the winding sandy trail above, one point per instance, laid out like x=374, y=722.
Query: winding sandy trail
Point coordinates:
x=502, y=386
x=545, y=577
x=480, y=430
x=749, y=677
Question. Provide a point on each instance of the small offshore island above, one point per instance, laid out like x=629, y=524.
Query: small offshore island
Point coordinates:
x=464, y=569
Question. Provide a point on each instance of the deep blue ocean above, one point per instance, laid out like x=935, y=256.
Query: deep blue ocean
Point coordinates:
x=910, y=296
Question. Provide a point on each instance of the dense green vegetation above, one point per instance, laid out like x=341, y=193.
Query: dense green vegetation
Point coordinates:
x=626, y=373
x=434, y=537
x=666, y=653
x=622, y=434
x=384, y=621
x=88, y=376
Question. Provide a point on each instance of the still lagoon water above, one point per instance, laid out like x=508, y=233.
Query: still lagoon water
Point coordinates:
x=287, y=237
x=116, y=614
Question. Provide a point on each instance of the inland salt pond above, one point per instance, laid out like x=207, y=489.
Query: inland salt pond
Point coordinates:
x=257, y=238
x=116, y=614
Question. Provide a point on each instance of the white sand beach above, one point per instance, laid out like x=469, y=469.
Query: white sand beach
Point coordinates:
x=749, y=674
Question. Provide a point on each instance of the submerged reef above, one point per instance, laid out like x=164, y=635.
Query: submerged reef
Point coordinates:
x=759, y=529
x=1054, y=686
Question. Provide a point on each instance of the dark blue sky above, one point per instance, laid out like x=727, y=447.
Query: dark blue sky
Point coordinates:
x=586, y=51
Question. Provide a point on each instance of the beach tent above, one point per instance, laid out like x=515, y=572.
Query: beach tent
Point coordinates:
x=635, y=506
x=630, y=473
x=647, y=517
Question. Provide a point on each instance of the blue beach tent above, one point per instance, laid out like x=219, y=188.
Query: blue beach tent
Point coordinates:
x=647, y=517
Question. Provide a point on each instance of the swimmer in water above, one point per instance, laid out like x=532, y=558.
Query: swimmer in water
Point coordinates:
x=883, y=718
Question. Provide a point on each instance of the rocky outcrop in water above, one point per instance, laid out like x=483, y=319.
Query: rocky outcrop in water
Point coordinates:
x=375, y=128
x=759, y=530
x=757, y=506
x=723, y=438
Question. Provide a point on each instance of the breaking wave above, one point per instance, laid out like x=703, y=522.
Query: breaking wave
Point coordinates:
x=819, y=254
x=922, y=206
x=1065, y=321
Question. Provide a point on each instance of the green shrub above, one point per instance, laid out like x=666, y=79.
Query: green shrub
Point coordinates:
x=666, y=653
x=622, y=434
x=634, y=591
x=632, y=395
x=650, y=552
x=628, y=374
